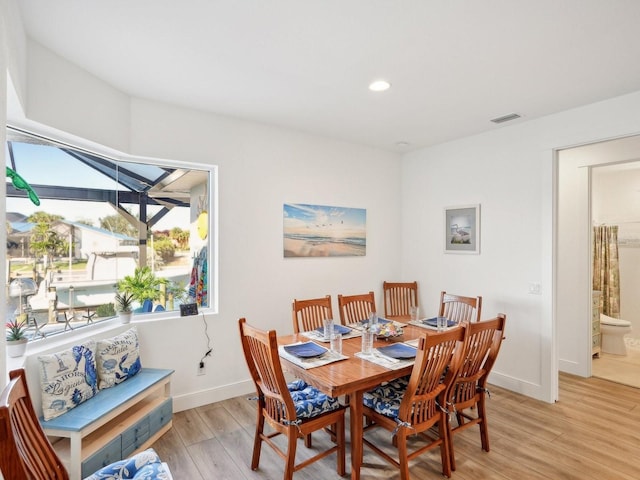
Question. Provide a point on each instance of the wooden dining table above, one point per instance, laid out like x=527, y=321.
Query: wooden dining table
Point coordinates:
x=352, y=377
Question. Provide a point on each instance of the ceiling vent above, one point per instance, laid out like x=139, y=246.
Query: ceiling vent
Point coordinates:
x=505, y=118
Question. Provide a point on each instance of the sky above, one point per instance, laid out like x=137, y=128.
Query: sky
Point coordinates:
x=303, y=219
x=41, y=164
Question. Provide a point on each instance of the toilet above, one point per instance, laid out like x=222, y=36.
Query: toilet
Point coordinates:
x=613, y=331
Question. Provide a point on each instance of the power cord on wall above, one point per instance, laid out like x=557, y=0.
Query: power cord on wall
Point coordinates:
x=209, y=347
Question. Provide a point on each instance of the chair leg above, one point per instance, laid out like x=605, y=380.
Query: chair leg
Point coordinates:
x=445, y=452
x=340, y=440
x=257, y=441
x=403, y=460
x=307, y=440
x=290, y=461
x=484, y=428
x=452, y=456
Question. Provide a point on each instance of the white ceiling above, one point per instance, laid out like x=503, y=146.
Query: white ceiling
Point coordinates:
x=305, y=64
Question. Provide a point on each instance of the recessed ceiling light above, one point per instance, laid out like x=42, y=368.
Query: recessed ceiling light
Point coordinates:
x=379, y=86
x=402, y=144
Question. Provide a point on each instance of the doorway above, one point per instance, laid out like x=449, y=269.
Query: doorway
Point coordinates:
x=600, y=184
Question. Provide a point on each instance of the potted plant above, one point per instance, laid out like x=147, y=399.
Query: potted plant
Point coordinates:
x=16, y=337
x=124, y=304
x=142, y=285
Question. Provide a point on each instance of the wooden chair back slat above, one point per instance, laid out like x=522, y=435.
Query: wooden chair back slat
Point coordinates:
x=309, y=314
x=470, y=385
x=459, y=308
x=25, y=450
x=276, y=406
x=399, y=298
x=437, y=353
x=355, y=308
x=261, y=353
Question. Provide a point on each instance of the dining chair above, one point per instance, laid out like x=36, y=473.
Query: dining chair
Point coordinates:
x=399, y=298
x=308, y=314
x=355, y=308
x=414, y=405
x=460, y=309
x=27, y=454
x=294, y=410
x=469, y=389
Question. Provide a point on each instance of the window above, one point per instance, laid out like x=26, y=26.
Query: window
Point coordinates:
x=82, y=226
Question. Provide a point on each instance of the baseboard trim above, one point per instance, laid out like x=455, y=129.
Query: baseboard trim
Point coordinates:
x=212, y=395
x=529, y=389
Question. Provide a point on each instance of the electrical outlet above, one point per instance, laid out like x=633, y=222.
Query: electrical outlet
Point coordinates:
x=201, y=369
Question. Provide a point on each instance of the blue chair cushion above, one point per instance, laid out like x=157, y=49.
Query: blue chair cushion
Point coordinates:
x=145, y=465
x=309, y=401
x=385, y=399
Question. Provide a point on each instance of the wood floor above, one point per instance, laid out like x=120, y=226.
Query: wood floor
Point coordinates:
x=593, y=432
x=621, y=369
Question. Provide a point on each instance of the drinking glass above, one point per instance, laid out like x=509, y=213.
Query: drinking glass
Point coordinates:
x=367, y=342
x=336, y=343
x=442, y=324
x=327, y=328
x=373, y=321
x=414, y=311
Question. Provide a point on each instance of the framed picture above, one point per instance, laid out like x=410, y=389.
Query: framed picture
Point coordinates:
x=462, y=229
x=324, y=231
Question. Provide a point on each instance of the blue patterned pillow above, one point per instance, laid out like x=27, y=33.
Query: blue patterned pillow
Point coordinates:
x=67, y=378
x=144, y=466
x=309, y=401
x=118, y=358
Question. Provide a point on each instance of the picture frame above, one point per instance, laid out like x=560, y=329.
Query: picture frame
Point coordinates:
x=311, y=230
x=462, y=229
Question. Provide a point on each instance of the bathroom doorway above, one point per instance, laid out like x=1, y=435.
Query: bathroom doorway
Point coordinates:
x=618, y=162
x=615, y=200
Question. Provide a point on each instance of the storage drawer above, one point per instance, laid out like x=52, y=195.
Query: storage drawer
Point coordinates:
x=595, y=328
x=161, y=415
x=108, y=454
x=135, y=436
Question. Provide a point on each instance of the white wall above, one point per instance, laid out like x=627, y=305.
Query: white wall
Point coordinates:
x=259, y=169
x=511, y=172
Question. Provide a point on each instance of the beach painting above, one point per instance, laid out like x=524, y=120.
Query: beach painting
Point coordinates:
x=321, y=231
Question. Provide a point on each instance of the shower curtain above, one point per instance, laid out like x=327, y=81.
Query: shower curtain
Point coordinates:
x=606, y=274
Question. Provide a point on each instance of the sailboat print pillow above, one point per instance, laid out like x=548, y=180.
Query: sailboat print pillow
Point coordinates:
x=67, y=378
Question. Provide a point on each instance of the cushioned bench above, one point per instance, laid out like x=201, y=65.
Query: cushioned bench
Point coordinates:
x=114, y=424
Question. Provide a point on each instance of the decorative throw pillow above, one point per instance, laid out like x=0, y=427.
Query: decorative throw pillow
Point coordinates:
x=118, y=358
x=68, y=378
